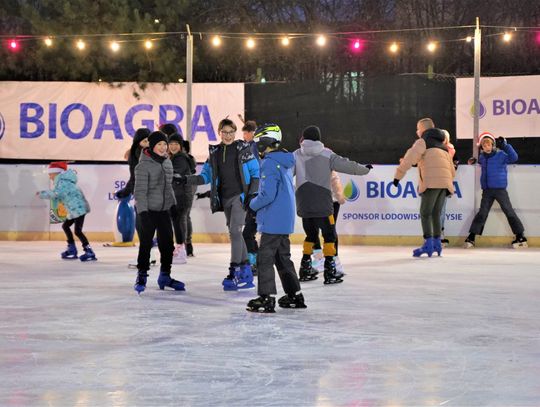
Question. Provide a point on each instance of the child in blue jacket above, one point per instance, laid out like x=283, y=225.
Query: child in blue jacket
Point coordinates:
x=494, y=159
x=66, y=191
x=275, y=208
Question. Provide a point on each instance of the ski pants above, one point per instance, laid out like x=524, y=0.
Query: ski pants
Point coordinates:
x=236, y=217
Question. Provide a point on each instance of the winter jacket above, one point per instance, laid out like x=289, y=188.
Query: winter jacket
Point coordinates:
x=248, y=174
x=435, y=167
x=313, y=170
x=275, y=203
x=153, y=183
x=494, y=171
x=183, y=164
x=66, y=191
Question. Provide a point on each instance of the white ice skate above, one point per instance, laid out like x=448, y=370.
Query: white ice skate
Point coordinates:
x=179, y=255
x=520, y=243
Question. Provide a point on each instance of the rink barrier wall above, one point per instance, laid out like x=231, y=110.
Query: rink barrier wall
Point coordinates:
x=375, y=212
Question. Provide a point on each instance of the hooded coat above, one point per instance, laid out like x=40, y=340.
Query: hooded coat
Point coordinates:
x=66, y=191
x=435, y=167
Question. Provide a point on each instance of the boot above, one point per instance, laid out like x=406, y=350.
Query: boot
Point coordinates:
x=331, y=275
x=307, y=272
x=244, y=277
x=292, y=301
x=165, y=280
x=426, y=248
x=140, y=282
x=264, y=303
x=70, y=253
x=469, y=242
x=88, y=255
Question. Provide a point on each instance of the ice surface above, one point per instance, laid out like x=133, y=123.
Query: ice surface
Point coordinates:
x=461, y=330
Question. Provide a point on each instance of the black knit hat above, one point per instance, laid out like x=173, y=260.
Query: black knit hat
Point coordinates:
x=168, y=128
x=140, y=135
x=155, y=137
x=176, y=138
x=312, y=133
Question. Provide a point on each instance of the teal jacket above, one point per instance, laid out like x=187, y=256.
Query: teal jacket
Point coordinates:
x=65, y=189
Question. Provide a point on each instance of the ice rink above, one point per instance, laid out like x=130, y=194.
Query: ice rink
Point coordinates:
x=461, y=330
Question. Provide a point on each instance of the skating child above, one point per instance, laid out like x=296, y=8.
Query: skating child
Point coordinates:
x=182, y=165
x=155, y=198
x=494, y=159
x=66, y=190
x=436, y=181
x=313, y=168
x=275, y=206
x=233, y=174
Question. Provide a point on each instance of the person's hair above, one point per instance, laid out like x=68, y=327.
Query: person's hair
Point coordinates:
x=226, y=122
x=250, y=125
x=427, y=123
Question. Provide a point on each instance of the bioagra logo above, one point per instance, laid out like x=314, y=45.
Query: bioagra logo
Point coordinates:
x=482, y=112
x=351, y=191
x=2, y=126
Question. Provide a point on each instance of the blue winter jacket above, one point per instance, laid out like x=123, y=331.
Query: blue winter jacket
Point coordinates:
x=494, y=172
x=275, y=203
x=248, y=176
x=66, y=191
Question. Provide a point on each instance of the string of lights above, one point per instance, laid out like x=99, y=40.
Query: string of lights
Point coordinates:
x=217, y=39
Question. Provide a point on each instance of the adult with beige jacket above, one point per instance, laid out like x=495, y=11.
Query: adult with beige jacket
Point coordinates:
x=436, y=174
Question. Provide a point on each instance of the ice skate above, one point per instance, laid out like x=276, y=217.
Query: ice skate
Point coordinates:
x=70, y=253
x=179, y=255
x=307, y=272
x=339, y=266
x=264, y=304
x=189, y=250
x=445, y=242
x=244, y=277
x=292, y=301
x=165, y=280
x=437, y=246
x=317, y=260
x=468, y=244
x=331, y=275
x=140, y=282
x=426, y=248
x=520, y=242
x=88, y=255
x=229, y=282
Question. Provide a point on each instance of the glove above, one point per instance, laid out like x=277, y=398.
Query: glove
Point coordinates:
x=248, y=199
x=201, y=195
x=501, y=142
x=369, y=166
x=395, y=182
x=471, y=161
x=174, y=212
x=120, y=194
x=179, y=179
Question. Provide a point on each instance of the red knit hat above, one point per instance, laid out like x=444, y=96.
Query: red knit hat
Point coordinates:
x=485, y=135
x=57, y=167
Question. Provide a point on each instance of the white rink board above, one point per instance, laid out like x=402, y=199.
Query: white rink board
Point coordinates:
x=22, y=211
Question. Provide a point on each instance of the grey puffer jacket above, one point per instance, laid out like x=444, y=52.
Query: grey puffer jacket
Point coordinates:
x=153, y=183
x=313, y=169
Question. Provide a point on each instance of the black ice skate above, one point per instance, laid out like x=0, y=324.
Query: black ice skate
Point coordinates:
x=520, y=242
x=331, y=275
x=306, y=272
x=264, y=304
x=292, y=301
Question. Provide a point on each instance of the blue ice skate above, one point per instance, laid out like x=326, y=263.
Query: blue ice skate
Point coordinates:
x=88, y=255
x=165, y=280
x=70, y=253
x=437, y=245
x=229, y=283
x=244, y=277
x=427, y=248
x=140, y=283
